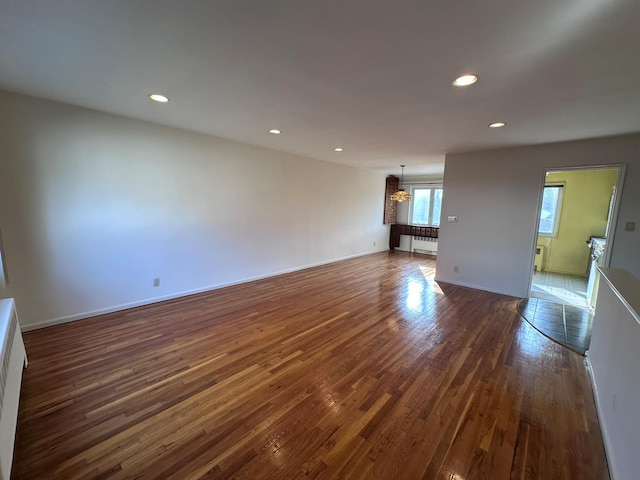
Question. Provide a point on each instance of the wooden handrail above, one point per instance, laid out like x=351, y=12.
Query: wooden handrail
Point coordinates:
x=413, y=230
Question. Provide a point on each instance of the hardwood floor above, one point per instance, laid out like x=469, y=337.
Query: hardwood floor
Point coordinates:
x=568, y=325
x=365, y=368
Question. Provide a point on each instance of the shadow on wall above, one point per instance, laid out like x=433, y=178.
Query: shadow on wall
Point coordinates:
x=583, y=211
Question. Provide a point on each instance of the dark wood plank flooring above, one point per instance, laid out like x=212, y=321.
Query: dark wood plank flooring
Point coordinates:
x=363, y=369
x=568, y=325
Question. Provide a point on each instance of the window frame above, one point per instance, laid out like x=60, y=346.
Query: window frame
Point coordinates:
x=433, y=188
x=556, y=223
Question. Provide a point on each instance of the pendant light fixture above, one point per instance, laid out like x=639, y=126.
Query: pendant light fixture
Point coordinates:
x=401, y=195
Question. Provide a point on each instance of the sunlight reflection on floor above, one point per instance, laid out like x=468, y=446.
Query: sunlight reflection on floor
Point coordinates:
x=529, y=341
x=560, y=288
x=429, y=275
x=559, y=295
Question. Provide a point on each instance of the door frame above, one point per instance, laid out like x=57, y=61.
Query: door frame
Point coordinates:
x=613, y=217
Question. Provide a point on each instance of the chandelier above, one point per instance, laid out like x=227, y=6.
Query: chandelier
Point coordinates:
x=401, y=195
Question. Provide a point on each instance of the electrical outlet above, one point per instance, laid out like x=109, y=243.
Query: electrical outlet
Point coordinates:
x=374, y=244
x=455, y=269
x=452, y=219
x=156, y=282
x=630, y=226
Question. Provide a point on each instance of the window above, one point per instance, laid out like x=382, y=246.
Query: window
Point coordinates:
x=550, y=210
x=426, y=205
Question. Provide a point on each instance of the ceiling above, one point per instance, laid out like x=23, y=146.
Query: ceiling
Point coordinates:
x=371, y=76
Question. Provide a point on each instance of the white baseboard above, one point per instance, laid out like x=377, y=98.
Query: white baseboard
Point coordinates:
x=149, y=301
x=478, y=287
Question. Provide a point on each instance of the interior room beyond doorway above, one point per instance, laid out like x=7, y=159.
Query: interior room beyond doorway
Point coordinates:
x=575, y=210
x=575, y=220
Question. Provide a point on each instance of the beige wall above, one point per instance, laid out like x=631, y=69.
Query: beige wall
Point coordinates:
x=585, y=205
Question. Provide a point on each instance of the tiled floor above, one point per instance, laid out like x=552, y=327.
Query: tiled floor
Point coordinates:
x=567, y=289
x=566, y=324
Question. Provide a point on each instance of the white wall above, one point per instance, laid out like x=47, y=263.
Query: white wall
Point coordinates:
x=613, y=358
x=93, y=207
x=402, y=217
x=495, y=195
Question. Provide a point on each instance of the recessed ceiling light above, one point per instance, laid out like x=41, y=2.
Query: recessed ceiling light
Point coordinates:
x=465, y=80
x=275, y=131
x=338, y=149
x=157, y=97
x=497, y=125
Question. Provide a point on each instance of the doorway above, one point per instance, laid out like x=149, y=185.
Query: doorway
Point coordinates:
x=578, y=208
x=574, y=233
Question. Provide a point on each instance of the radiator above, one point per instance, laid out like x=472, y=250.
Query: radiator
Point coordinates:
x=426, y=245
x=14, y=360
